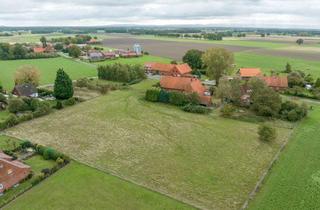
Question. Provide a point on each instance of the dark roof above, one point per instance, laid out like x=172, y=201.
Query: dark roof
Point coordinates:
x=25, y=90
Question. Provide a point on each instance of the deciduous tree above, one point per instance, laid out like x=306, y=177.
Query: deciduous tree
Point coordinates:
x=27, y=75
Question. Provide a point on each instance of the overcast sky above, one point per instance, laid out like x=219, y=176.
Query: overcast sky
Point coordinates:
x=252, y=13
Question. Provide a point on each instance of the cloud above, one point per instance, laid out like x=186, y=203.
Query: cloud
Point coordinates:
x=255, y=13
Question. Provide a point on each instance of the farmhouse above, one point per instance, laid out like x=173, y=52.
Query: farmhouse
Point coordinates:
x=109, y=55
x=168, y=69
x=27, y=90
x=96, y=56
x=248, y=73
x=276, y=82
x=11, y=172
x=186, y=85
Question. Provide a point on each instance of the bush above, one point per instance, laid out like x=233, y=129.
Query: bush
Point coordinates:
x=84, y=82
x=164, y=96
x=267, y=133
x=104, y=89
x=36, y=180
x=43, y=109
x=40, y=149
x=59, y=105
x=42, y=92
x=25, y=117
x=153, y=95
x=34, y=104
x=196, y=109
x=292, y=111
x=12, y=120
x=193, y=98
x=26, y=144
x=227, y=110
x=59, y=161
x=17, y=105
x=3, y=98
x=178, y=98
x=70, y=102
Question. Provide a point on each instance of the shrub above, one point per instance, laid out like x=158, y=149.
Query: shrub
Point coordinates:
x=46, y=171
x=164, y=96
x=104, y=89
x=12, y=120
x=196, y=109
x=36, y=180
x=17, y=105
x=59, y=105
x=43, y=109
x=153, y=95
x=292, y=111
x=82, y=82
x=227, y=110
x=34, y=104
x=193, y=98
x=26, y=144
x=267, y=133
x=3, y=98
x=59, y=161
x=40, y=149
x=43, y=92
x=25, y=117
x=63, y=88
x=178, y=99
x=70, y=102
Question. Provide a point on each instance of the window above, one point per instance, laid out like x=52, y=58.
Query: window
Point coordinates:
x=10, y=171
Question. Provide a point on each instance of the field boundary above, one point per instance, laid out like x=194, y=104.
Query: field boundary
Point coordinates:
x=267, y=172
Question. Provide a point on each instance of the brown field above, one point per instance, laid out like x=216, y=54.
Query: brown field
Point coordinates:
x=168, y=49
x=292, y=52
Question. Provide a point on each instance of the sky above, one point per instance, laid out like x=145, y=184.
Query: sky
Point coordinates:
x=228, y=13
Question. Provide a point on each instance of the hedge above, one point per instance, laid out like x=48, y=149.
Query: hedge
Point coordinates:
x=196, y=109
x=153, y=95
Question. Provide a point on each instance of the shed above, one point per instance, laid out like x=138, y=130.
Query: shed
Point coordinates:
x=27, y=90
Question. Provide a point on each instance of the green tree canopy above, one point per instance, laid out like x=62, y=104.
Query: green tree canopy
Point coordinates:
x=194, y=59
x=217, y=61
x=74, y=51
x=63, y=88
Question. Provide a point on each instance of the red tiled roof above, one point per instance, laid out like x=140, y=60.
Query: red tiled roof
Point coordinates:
x=185, y=84
x=39, y=50
x=11, y=173
x=250, y=72
x=276, y=82
x=183, y=68
x=161, y=67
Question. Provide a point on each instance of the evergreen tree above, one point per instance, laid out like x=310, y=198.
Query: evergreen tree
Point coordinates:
x=63, y=88
x=288, y=68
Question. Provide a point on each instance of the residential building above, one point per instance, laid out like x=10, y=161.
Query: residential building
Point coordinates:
x=168, y=69
x=26, y=90
x=12, y=172
x=276, y=82
x=248, y=73
x=187, y=85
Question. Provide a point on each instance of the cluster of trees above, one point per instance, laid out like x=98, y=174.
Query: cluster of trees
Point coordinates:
x=216, y=62
x=187, y=102
x=27, y=74
x=78, y=39
x=264, y=101
x=19, y=51
x=122, y=73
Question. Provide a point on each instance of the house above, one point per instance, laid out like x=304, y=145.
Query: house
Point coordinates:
x=27, y=90
x=248, y=73
x=168, y=69
x=96, y=56
x=39, y=50
x=12, y=172
x=109, y=55
x=276, y=82
x=187, y=85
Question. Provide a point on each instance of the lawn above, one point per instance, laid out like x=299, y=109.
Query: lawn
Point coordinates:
x=37, y=163
x=76, y=70
x=4, y=115
x=8, y=143
x=47, y=69
x=268, y=63
x=80, y=187
x=208, y=161
x=234, y=42
x=294, y=182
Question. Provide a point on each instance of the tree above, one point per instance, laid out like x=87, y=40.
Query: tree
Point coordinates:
x=295, y=79
x=63, y=88
x=19, y=51
x=217, y=61
x=267, y=133
x=27, y=75
x=265, y=101
x=43, y=40
x=229, y=91
x=300, y=41
x=58, y=46
x=194, y=59
x=74, y=51
x=288, y=68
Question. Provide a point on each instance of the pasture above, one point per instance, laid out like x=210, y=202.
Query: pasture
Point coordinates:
x=295, y=179
x=206, y=161
x=80, y=187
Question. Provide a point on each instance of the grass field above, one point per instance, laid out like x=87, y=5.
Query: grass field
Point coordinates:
x=294, y=182
x=49, y=67
x=207, y=161
x=80, y=187
x=268, y=63
x=234, y=42
x=37, y=163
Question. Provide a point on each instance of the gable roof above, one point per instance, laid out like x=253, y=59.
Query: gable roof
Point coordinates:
x=162, y=67
x=25, y=90
x=11, y=172
x=250, y=72
x=276, y=81
x=183, y=68
x=39, y=50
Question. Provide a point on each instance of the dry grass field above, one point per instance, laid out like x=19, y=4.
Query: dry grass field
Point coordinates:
x=207, y=161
